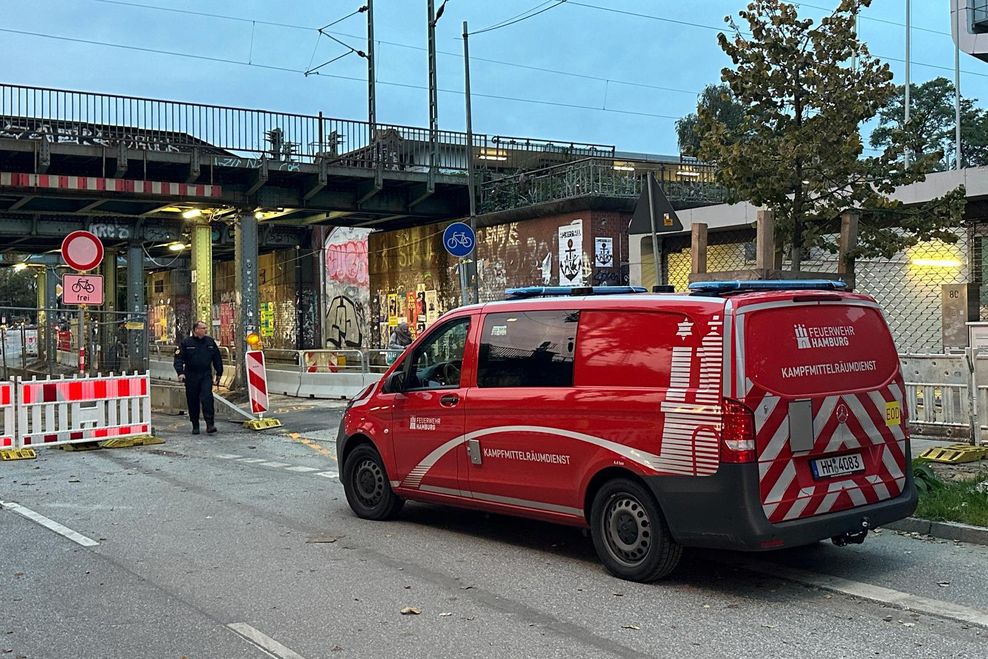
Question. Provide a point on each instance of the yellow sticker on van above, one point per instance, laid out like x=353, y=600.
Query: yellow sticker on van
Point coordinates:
x=893, y=413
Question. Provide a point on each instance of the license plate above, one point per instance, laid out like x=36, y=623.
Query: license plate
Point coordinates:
x=838, y=466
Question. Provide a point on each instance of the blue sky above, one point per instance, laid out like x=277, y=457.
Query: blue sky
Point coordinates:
x=629, y=74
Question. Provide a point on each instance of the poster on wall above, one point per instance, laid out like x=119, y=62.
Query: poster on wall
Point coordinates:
x=392, y=309
x=431, y=307
x=603, y=252
x=411, y=309
x=267, y=319
x=571, y=254
x=347, y=312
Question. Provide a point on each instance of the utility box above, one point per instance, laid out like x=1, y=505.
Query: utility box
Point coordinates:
x=961, y=305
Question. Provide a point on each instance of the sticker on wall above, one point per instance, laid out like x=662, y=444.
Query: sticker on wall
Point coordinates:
x=571, y=254
x=547, y=269
x=603, y=252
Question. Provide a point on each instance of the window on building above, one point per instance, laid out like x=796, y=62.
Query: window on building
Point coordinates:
x=528, y=349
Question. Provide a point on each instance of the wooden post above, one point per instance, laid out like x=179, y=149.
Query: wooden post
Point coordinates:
x=848, y=243
x=698, y=248
x=765, y=240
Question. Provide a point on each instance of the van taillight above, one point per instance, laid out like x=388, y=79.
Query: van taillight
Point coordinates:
x=737, y=432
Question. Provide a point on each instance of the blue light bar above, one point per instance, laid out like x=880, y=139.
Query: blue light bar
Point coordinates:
x=718, y=287
x=564, y=291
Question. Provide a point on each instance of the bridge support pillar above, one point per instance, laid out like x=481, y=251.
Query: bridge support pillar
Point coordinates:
x=136, y=307
x=202, y=273
x=109, y=322
x=51, y=319
x=245, y=266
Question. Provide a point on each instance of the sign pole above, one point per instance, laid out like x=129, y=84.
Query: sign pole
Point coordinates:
x=655, y=236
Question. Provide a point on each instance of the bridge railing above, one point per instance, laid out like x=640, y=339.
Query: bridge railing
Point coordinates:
x=64, y=116
x=687, y=182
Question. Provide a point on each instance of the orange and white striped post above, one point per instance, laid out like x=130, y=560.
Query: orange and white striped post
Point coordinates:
x=257, y=391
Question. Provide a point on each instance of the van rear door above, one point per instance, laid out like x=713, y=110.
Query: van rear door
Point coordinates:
x=823, y=380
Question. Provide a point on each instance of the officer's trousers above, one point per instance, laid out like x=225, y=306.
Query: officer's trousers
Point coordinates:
x=199, y=393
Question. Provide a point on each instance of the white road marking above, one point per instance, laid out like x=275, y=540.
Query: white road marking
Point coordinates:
x=302, y=469
x=878, y=594
x=274, y=464
x=263, y=641
x=252, y=460
x=228, y=456
x=328, y=474
x=49, y=524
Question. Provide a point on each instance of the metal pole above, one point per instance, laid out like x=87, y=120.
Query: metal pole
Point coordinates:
x=651, y=217
x=371, y=75
x=471, y=190
x=136, y=304
x=957, y=88
x=51, y=302
x=908, y=85
x=248, y=310
x=433, y=94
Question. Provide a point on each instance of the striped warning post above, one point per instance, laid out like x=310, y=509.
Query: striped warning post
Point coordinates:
x=76, y=410
x=257, y=390
x=257, y=382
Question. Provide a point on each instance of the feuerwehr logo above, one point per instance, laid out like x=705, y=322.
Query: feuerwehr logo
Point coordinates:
x=802, y=337
x=842, y=413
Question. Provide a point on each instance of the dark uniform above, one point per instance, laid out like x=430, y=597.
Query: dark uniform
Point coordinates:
x=196, y=358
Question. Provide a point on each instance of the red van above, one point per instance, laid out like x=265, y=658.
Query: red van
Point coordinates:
x=746, y=415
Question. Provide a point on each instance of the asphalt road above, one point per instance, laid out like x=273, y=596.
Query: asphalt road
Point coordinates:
x=219, y=546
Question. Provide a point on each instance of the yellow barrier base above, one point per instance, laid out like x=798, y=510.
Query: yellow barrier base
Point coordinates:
x=955, y=453
x=262, y=424
x=128, y=442
x=18, y=454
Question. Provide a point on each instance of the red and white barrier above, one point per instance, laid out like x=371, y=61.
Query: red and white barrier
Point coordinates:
x=257, y=382
x=8, y=412
x=72, y=411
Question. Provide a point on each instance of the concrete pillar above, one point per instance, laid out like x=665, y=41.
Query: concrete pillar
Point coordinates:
x=245, y=267
x=51, y=328
x=136, y=307
x=202, y=272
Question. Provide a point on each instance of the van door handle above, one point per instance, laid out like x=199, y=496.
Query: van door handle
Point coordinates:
x=449, y=400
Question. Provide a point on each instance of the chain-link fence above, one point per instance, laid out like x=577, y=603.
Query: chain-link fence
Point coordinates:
x=909, y=286
x=65, y=341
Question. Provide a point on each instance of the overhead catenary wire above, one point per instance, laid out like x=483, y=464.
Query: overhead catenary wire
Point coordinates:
x=520, y=18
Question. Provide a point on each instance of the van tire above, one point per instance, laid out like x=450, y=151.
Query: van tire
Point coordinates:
x=630, y=533
x=366, y=485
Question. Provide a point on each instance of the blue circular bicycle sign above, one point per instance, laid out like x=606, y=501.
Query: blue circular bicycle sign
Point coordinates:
x=458, y=239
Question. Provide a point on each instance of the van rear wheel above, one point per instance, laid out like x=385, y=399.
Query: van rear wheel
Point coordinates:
x=366, y=485
x=630, y=534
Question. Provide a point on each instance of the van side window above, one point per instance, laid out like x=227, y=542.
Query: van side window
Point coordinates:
x=627, y=349
x=437, y=362
x=528, y=349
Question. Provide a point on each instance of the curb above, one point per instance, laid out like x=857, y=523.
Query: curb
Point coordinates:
x=976, y=535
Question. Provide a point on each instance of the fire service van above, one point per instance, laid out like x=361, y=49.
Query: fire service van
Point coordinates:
x=745, y=415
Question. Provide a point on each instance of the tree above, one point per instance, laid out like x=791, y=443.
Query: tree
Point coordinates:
x=17, y=288
x=798, y=150
x=931, y=127
x=717, y=101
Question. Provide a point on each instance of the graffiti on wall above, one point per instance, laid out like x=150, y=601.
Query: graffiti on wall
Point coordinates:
x=99, y=135
x=347, y=285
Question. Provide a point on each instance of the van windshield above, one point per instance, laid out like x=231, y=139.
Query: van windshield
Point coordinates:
x=797, y=350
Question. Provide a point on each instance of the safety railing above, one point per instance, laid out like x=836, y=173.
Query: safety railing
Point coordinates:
x=938, y=398
x=686, y=182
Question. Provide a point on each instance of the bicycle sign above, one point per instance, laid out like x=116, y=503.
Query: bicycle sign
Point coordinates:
x=82, y=289
x=459, y=239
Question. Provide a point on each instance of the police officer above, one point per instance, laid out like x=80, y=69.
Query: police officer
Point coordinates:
x=195, y=359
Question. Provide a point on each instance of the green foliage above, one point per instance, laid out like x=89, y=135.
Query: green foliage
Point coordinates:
x=930, y=133
x=925, y=478
x=799, y=150
x=964, y=501
x=17, y=289
x=716, y=101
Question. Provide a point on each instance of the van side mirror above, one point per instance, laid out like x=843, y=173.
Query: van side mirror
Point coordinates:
x=395, y=383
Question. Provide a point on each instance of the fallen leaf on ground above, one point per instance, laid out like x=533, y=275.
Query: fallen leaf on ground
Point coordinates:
x=410, y=611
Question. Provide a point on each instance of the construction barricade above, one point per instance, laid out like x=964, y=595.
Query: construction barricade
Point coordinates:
x=8, y=413
x=114, y=410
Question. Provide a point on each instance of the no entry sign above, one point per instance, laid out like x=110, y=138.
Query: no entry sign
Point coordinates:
x=82, y=250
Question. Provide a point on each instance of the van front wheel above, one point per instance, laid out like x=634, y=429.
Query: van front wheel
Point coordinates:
x=365, y=483
x=630, y=533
